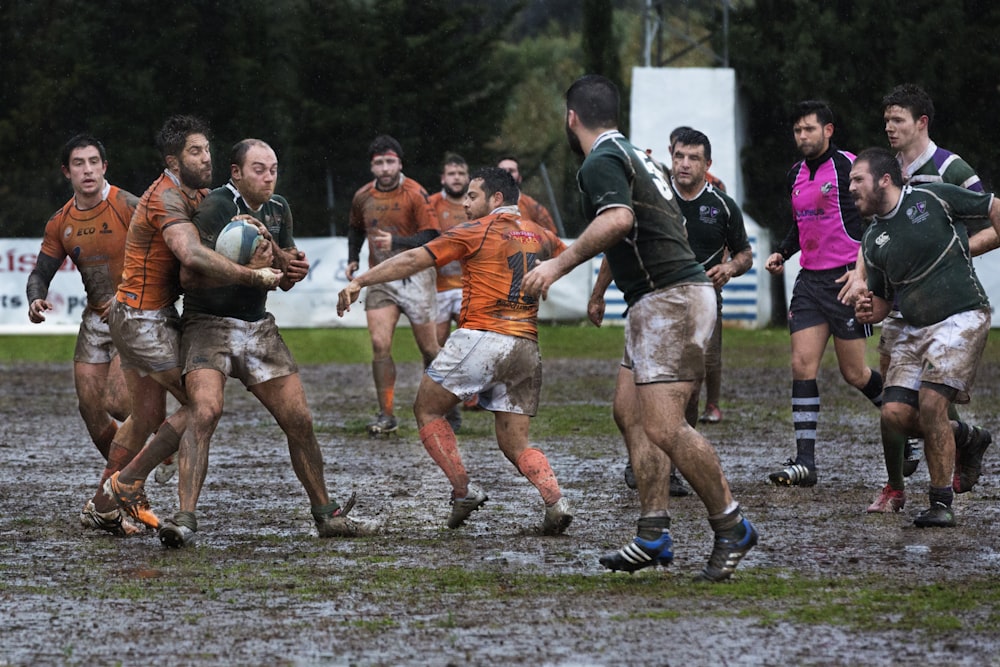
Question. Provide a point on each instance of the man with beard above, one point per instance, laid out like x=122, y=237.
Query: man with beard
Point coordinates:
x=494, y=352
x=635, y=221
x=228, y=332
x=449, y=204
x=827, y=229
x=393, y=213
x=530, y=207
x=917, y=255
x=908, y=112
x=143, y=320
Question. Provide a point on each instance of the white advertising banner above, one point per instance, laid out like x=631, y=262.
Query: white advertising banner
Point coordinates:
x=311, y=303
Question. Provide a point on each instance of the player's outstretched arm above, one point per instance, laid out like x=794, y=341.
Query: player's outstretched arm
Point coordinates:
x=401, y=266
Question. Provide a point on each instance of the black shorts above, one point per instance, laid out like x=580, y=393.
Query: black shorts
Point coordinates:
x=814, y=302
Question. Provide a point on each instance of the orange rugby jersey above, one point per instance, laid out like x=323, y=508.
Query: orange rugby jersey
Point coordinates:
x=449, y=214
x=94, y=240
x=534, y=211
x=402, y=211
x=150, y=278
x=496, y=252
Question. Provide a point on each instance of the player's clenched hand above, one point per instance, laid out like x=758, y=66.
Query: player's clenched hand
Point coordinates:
x=775, y=264
x=347, y=296
x=350, y=270
x=864, y=307
x=256, y=223
x=263, y=256
x=595, y=309
x=538, y=280
x=381, y=240
x=36, y=308
x=298, y=267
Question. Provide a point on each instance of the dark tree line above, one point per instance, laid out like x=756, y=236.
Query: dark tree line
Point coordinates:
x=318, y=79
x=851, y=53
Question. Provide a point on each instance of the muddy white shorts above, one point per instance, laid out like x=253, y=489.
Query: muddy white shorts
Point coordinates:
x=506, y=371
x=251, y=352
x=415, y=296
x=668, y=331
x=93, y=342
x=149, y=341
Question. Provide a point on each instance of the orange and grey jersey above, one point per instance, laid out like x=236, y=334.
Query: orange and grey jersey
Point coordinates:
x=93, y=239
x=496, y=252
x=405, y=211
x=151, y=275
x=449, y=214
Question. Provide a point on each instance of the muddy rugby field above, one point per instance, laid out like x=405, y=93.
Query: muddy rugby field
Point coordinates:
x=828, y=585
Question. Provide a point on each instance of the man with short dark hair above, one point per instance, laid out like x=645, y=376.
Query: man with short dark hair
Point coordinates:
x=89, y=229
x=530, y=207
x=635, y=221
x=827, y=229
x=915, y=253
x=494, y=352
x=394, y=214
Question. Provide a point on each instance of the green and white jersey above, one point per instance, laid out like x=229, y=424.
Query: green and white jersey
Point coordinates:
x=655, y=253
x=919, y=253
x=714, y=223
x=214, y=213
x=938, y=165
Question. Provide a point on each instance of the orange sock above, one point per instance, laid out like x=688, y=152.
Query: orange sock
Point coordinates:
x=535, y=467
x=384, y=373
x=439, y=441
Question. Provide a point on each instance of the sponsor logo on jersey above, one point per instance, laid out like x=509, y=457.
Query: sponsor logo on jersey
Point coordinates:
x=882, y=239
x=918, y=212
x=708, y=215
x=827, y=187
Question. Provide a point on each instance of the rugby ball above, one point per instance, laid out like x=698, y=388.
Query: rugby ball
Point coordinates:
x=238, y=240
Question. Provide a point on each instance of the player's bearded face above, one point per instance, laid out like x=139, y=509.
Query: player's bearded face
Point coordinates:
x=195, y=163
x=386, y=169
x=455, y=181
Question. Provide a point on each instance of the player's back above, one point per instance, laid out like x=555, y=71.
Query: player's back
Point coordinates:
x=150, y=277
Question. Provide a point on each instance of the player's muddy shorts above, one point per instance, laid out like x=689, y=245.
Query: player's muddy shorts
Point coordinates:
x=148, y=341
x=93, y=342
x=667, y=332
x=945, y=353
x=891, y=326
x=415, y=296
x=506, y=371
x=449, y=305
x=251, y=352
x=814, y=302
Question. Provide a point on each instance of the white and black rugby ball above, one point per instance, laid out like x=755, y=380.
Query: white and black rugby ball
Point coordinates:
x=238, y=240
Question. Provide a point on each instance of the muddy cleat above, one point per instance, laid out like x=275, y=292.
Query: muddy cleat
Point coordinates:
x=338, y=524
x=677, y=488
x=558, y=516
x=889, y=500
x=630, y=476
x=728, y=552
x=461, y=508
x=937, y=515
x=969, y=459
x=176, y=535
x=165, y=471
x=712, y=414
x=640, y=553
x=131, y=498
x=911, y=456
x=382, y=426
x=795, y=474
x=113, y=522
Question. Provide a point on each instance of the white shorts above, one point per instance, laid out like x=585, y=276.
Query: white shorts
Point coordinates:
x=415, y=296
x=449, y=305
x=251, y=352
x=668, y=331
x=891, y=326
x=506, y=371
x=946, y=353
x=93, y=342
x=149, y=341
